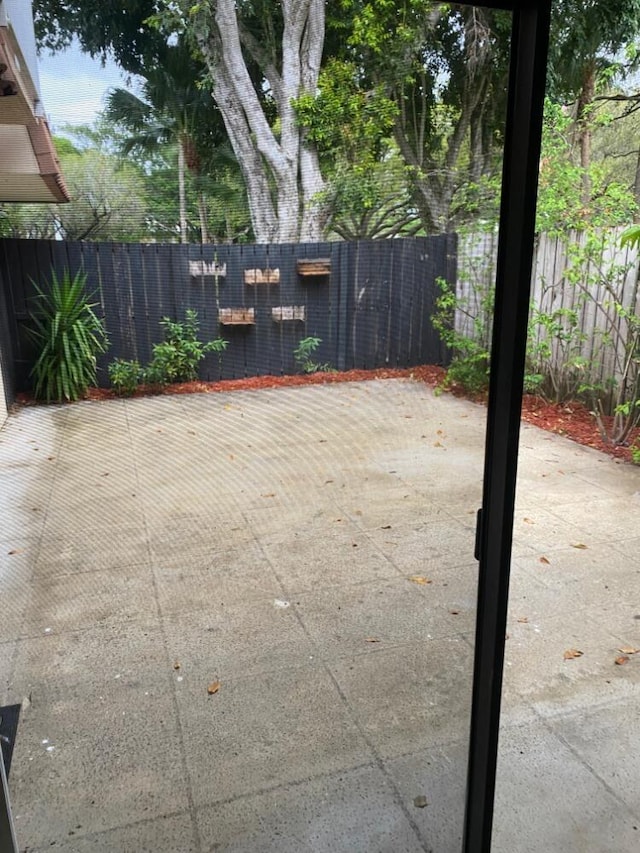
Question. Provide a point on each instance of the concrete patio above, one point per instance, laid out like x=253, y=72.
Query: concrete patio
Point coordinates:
x=305, y=554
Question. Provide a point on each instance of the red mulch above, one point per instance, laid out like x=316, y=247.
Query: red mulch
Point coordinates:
x=572, y=420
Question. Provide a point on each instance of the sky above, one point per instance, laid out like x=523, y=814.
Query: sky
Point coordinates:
x=73, y=86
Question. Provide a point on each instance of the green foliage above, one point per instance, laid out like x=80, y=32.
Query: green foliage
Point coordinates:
x=125, y=376
x=68, y=336
x=635, y=453
x=631, y=237
x=177, y=358
x=556, y=368
x=560, y=202
x=469, y=367
x=344, y=118
x=303, y=354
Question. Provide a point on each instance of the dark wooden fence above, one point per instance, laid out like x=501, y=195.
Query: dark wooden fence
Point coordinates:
x=370, y=302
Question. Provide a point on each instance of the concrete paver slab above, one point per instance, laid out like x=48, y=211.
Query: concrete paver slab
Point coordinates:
x=409, y=697
x=548, y=799
x=347, y=811
x=171, y=834
x=265, y=730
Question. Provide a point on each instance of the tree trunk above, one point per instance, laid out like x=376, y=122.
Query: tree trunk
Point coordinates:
x=282, y=175
x=636, y=186
x=583, y=121
x=202, y=213
x=182, y=196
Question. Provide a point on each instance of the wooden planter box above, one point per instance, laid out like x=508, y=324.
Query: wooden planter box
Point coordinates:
x=236, y=316
x=267, y=276
x=197, y=269
x=314, y=266
x=283, y=313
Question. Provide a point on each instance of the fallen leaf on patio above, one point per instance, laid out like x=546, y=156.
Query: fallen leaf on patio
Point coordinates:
x=268, y=495
x=622, y=660
x=454, y=612
x=419, y=579
x=50, y=458
x=386, y=527
x=570, y=654
x=354, y=544
x=440, y=432
x=628, y=650
x=420, y=802
x=545, y=561
x=579, y=545
x=106, y=474
x=213, y=688
x=437, y=444
x=328, y=481
x=528, y=521
x=15, y=551
x=176, y=665
x=523, y=619
x=371, y=640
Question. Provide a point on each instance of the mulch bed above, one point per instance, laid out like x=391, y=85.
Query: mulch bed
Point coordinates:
x=572, y=420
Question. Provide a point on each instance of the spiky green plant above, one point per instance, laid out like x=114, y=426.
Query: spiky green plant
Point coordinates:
x=68, y=336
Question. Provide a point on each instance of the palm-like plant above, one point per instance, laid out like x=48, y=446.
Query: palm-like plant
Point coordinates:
x=173, y=109
x=69, y=336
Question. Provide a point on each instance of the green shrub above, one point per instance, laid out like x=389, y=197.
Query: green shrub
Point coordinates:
x=303, y=355
x=68, y=336
x=470, y=364
x=178, y=357
x=125, y=376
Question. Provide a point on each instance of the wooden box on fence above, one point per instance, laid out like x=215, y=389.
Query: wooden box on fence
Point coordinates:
x=237, y=316
x=198, y=269
x=267, y=276
x=314, y=266
x=282, y=313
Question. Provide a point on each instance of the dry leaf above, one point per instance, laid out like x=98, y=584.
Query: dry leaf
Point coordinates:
x=528, y=521
x=440, y=432
x=419, y=579
x=420, y=802
x=628, y=650
x=545, y=561
x=354, y=544
x=579, y=545
x=523, y=619
x=454, y=612
x=213, y=688
x=386, y=527
x=268, y=495
x=621, y=660
x=371, y=640
x=570, y=654
x=15, y=551
x=176, y=665
x=437, y=444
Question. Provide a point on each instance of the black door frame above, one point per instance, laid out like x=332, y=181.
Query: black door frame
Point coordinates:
x=527, y=76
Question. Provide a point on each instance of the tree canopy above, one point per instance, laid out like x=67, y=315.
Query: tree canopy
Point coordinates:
x=357, y=117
